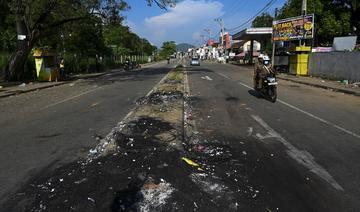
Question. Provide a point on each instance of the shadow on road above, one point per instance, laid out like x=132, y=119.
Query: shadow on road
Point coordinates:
x=133, y=75
x=254, y=93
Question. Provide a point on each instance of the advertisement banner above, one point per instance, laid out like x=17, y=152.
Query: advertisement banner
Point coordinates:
x=297, y=28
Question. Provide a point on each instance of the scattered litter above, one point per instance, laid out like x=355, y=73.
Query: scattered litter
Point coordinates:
x=162, y=165
x=80, y=181
x=199, y=147
x=272, y=155
x=244, y=153
x=195, y=205
x=42, y=207
x=91, y=199
x=52, y=190
x=192, y=163
x=250, y=131
x=356, y=84
x=22, y=85
x=93, y=151
x=160, y=97
x=61, y=180
x=345, y=82
x=322, y=81
x=71, y=84
x=155, y=195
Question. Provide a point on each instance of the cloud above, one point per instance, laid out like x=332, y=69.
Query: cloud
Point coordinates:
x=180, y=22
x=186, y=12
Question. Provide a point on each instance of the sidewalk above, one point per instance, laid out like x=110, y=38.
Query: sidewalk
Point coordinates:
x=322, y=83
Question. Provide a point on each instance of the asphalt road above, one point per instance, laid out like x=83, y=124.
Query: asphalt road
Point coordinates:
x=300, y=153
x=42, y=130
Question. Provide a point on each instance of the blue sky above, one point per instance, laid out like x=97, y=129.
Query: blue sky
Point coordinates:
x=186, y=22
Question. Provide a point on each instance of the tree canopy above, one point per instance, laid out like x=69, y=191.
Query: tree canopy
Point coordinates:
x=83, y=27
x=168, y=48
x=332, y=17
x=263, y=20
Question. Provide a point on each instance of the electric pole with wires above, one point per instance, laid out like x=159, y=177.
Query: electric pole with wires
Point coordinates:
x=221, y=22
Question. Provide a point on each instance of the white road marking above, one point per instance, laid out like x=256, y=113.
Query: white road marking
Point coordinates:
x=70, y=98
x=224, y=75
x=305, y=112
x=301, y=156
x=320, y=119
x=207, y=78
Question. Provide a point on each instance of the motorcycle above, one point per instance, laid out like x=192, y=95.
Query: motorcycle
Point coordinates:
x=268, y=87
x=128, y=65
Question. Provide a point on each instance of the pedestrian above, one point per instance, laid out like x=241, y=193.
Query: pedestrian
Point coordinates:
x=62, y=69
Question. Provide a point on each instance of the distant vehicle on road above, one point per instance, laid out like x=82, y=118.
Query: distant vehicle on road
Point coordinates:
x=195, y=61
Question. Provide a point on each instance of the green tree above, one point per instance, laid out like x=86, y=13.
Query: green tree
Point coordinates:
x=35, y=20
x=332, y=17
x=168, y=48
x=263, y=20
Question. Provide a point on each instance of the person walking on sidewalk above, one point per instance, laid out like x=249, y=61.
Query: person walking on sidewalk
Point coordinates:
x=62, y=69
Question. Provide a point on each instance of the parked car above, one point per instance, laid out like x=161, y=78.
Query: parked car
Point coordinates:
x=195, y=61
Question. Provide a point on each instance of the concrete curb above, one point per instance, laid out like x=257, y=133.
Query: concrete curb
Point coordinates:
x=322, y=86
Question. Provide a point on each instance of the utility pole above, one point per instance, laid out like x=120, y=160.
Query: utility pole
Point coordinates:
x=221, y=22
x=273, y=42
x=208, y=31
x=304, y=7
x=303, y=12
x=202, y=40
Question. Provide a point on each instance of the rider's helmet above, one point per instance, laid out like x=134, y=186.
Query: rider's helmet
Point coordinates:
x=266, y=60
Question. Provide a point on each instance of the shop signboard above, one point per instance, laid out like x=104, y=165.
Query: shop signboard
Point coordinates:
x=296, y=28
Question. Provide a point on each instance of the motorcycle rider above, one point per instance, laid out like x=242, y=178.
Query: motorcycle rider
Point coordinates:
x=128, y=64
x=261, y=70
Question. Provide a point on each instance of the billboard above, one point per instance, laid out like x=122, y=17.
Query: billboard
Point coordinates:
x=297, y=28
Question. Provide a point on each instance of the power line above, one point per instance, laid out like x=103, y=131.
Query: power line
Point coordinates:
x=238, y=9
x=234, y=9
x=267, y=6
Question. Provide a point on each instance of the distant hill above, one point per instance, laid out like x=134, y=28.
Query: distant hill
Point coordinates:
x=183, y=47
